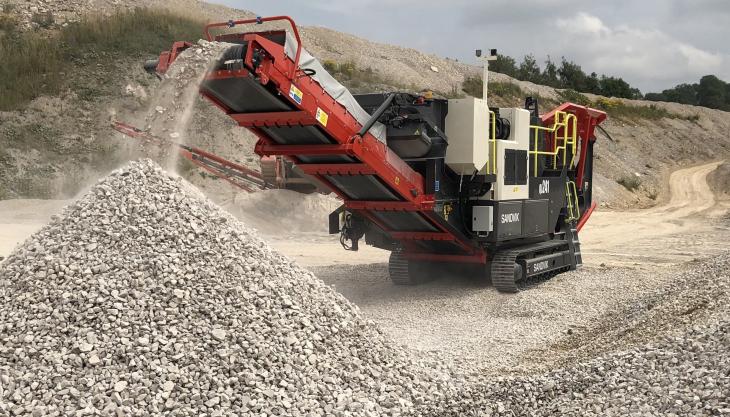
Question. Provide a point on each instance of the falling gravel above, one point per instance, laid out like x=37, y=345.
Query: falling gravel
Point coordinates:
x=173, y=104
x=144, y=298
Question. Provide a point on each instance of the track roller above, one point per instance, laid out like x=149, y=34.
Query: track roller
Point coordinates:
x=405, y=272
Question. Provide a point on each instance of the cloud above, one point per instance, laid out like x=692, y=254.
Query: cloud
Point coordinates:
x=652, y=44
x=376, y=7
x=509, y=12
x=582, y=23
x=649, y=58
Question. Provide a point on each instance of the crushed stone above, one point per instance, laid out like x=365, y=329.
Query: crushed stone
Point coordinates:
x=103, y=331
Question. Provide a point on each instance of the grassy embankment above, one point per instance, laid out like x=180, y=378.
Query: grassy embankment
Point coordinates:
x=41, y=63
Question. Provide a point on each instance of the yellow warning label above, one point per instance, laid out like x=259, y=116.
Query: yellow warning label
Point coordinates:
x=321, y=117
x=296, y=94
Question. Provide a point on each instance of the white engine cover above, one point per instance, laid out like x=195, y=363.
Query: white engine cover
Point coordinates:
x=467, y=129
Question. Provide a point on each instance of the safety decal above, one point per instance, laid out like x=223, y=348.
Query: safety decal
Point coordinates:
x=296, y=94
x=321, y=117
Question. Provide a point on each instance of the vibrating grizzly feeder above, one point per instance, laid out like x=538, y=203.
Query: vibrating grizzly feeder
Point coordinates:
x=434, y=181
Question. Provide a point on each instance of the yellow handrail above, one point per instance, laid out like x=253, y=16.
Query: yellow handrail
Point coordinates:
x=493, y=140
x=569, y=126
x=571, y=193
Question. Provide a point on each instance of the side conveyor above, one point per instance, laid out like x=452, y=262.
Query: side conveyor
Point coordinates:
x=263, y=89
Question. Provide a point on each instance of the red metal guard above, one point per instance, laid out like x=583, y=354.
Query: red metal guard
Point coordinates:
x=588, y=119
x=259, y=20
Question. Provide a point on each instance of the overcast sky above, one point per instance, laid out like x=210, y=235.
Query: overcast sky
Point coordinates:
x=653, y=44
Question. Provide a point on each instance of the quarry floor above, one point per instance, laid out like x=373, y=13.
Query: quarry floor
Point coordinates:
x=627, y=254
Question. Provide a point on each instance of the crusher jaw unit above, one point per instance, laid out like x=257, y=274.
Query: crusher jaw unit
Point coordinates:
x=436, y=182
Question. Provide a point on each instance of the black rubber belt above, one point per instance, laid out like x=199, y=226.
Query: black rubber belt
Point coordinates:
x=503, y=271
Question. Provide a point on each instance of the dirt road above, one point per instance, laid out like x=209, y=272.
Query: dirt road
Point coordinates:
x=684, y=228
x=21, y=218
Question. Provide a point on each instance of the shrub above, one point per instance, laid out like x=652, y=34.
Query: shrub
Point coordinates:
x=330, y=66
x=473, y=86
x=574, y=97
x=347, y=69
x=30, y=67
x=609, y=103
x=136, y=32
x=630, y=182
x=354, y=77
x=8, y=23
x=505, y=90
x=617, y=108
x=44, y=20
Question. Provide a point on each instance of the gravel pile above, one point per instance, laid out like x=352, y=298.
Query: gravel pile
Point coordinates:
x=686, y=375
x=144, y=298
x=669, y=356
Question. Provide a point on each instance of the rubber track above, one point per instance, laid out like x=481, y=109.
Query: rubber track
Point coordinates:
x=503, y=271
x=398, y=269
x=536, y=280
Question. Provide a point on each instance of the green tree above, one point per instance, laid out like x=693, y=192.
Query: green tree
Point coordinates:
x=572, y=76
x=655, y=97
x=550, y=74
x=529, y=70
x=593, y=84
x=615, y=87
x=683, y=93
x=711, y=92
x=504, y=65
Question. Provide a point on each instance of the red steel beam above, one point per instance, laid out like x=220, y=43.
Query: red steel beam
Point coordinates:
x=337, y=169
x=264, y=149
x=389, y=205
x=283, y=118
x=586, y=215
x=225, y=74
x=228, y=164
x=190, y=157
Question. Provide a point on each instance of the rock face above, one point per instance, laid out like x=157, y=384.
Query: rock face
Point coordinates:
x=143, y=298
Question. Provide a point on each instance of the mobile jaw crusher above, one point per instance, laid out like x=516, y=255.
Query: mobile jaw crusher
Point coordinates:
x=434, y=181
